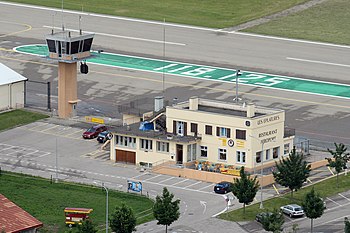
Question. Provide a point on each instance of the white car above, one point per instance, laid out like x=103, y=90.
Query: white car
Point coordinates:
x=293, y=210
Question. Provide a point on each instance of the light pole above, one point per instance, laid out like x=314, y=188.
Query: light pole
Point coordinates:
x=103, y=185
x=238, y=73
x=261, y=172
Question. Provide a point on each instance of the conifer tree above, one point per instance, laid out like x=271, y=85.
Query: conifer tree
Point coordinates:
x=245, y=188
x=292, y=171
x=165, y=210
x=339, y=160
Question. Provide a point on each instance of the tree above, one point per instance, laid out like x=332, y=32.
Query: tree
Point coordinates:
x=292, y=172
x=87, y=226
x=245, y=188
x=347, y=225
x=313, y=206
x=165, y=210
x=273, y=222
x=123, y=220
x=339, y=160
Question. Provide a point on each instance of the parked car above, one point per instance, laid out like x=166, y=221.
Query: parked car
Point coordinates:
x=94, y=131
x=293, y=210
x=223, y=187
x=261, y=215
x=104, y=136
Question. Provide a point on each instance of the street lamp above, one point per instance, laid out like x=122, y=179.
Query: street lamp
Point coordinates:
x=238, y=73
x=261, y=171
x=103, y=185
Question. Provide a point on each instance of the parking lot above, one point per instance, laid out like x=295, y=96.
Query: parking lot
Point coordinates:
x=50, y=149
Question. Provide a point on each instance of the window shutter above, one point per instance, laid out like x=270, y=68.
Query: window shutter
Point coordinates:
x=194, y=127
x=174, y=127
x=218, y=131
x=185, y=128
x=228, y=133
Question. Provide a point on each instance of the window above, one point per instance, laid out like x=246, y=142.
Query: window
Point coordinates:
x=258, y=157
x=286, y=149
x=204, y=151
x=275, y=152
x=191, y=152
x=240, y=156
x=145, y=144
x=162, y=146
x=194, y=128
x=223, y=132
x=209, y=130
x=180, y=128
x=125, y=141
x=267, y=154
x=240, y=134
x=222, y=154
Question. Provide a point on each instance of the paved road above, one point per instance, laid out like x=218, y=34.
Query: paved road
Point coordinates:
x=34, y=148
x=104, y=90
x=207, y=72
x=185, y=43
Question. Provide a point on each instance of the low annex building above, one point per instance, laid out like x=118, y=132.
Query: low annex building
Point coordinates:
x=14, y=219
x=205, y=130
x=12, y=88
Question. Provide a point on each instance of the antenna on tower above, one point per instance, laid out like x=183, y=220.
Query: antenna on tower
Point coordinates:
x=82, y=11
x=62, y=16
x=53, y=23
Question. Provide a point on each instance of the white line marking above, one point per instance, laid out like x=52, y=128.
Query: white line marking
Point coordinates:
x=123, y=37
x=152, y=177
x=45, y=154
x=180, y=182
x=166, y=179
x=7, y=148
x=55, y=126
x=287, y=39
x=40, y=123
x=333, y=220
x=333, y=201
x=74, y=132
x=344, y=196
x=176, y=25
x=206, y=187
x=193, y=184
x=134, y=177
x=319, y=62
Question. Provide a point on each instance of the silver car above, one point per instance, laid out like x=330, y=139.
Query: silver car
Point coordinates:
x=293, y=210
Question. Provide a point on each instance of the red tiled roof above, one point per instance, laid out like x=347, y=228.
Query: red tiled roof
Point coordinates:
x=14, y=219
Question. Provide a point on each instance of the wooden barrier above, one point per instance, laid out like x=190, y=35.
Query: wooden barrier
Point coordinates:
x=215, y=177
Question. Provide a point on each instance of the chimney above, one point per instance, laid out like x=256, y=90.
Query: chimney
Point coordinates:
x=250, y=110
x=158, y=103
x=193, y=103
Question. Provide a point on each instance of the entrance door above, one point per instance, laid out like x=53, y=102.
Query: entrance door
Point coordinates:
x=179, y=153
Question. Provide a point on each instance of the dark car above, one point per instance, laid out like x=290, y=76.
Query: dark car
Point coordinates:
x=223, y=187
x=104, y=136
x=94, y=131
x=259, y=217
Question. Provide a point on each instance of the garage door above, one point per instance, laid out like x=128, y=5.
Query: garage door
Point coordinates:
x=123, y=156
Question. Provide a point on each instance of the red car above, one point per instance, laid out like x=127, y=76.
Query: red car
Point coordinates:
x=94, y=131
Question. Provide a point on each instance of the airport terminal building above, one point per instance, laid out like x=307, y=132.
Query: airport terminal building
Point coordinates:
x=216, y=132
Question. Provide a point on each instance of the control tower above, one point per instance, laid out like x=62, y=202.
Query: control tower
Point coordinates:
x=68, y=49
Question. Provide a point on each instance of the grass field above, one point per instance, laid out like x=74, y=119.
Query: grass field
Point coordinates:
x=46, y=201
x=18, y=117
x=325, y=189
x=207, y=13
x=327, y=22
